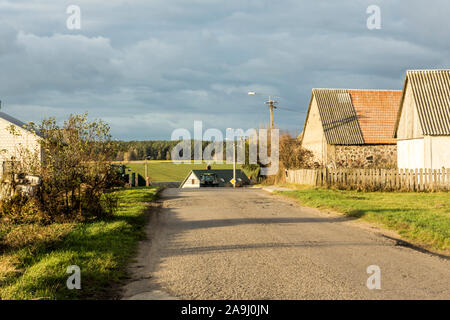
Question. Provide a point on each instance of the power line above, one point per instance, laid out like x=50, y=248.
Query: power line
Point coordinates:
x=289, y=109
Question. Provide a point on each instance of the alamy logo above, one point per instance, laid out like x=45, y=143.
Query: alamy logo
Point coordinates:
x=74, y=281
x=256, y=140
x=374, y=20
x=74, y=20
x=374, y=281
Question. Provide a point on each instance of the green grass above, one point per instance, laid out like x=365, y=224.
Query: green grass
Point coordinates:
x=423, y=218
x=168, y=171
x=37, y=269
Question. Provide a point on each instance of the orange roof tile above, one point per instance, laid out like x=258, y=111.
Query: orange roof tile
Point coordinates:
x=376, y=111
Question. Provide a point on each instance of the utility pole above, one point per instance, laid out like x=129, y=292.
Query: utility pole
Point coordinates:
x=271, y=113
x=234, y=163
x=146, y=174
x=233, y=181
x=272, y=105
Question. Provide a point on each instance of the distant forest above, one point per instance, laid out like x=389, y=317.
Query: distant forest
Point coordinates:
x=142, y=150
x=149, y=150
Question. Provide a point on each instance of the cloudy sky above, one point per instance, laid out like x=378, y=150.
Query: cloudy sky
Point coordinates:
x=148, y=67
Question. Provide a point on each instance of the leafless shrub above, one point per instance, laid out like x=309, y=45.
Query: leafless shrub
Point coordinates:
x=292, y=156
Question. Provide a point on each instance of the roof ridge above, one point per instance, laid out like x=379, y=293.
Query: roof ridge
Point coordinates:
x=357, y=89
x=428, y=70
x=17, y=122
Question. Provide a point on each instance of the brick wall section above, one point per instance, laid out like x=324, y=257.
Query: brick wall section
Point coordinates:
x=365, y=156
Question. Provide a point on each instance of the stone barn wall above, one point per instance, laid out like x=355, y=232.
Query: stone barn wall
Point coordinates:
x=365, y=156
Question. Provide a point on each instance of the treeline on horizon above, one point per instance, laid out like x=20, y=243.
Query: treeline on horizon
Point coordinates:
x=151, y=150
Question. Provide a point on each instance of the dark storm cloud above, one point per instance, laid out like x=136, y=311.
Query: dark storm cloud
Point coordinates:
x=148, y=67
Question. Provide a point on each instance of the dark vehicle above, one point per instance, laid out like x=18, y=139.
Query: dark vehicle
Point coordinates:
x=209, y=180
x=118, y=175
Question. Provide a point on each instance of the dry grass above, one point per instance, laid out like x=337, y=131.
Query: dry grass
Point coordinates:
x=9, y=266
x=34, y=258
x=34, y=235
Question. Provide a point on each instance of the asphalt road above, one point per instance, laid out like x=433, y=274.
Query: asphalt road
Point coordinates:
x=249, y=244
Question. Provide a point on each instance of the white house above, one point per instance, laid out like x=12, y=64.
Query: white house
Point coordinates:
x=423, y=122
x=224, y=176
x=11, y=143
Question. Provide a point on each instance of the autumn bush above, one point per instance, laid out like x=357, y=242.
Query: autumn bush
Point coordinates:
x=75, y=171
x=291, y=156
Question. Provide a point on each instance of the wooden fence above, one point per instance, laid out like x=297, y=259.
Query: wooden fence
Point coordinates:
x=27, y=185
x=374, y=179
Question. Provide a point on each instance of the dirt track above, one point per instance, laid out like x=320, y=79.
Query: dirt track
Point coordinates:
x=248, y=244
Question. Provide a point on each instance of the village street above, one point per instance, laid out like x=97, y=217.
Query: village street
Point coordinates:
x=221, y=243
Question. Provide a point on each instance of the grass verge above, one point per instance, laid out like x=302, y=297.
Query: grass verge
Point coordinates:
x=34, y=259
x=422, y=218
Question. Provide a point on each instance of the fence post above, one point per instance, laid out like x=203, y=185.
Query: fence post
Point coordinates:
x=397, y=182
x=410, y=179
x=393, y=178
x=372, y=178
x=420, y=179
x=434, y=180
x=402, y=185
x=425, y=179
x=448, y=179
x=439, y=185
x=361, y=177
x=415, y=180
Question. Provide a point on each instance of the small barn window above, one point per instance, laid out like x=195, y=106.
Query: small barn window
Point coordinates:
x=193, y=181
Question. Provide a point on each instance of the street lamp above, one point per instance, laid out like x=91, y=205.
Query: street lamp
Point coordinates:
x=272, y=104
x=234, y=160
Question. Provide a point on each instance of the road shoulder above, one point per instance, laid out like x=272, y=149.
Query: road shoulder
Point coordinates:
x=372, y=227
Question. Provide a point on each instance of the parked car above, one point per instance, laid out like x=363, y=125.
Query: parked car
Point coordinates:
x=209, y=180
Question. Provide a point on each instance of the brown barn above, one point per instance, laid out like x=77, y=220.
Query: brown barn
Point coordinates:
x=352, y=128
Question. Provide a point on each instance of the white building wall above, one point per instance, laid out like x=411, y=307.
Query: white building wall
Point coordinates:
x=10, y=144
x=410, y=154
x=438, y=149
x=313, y=135
x=191, y=182
x=409, y=125
x=427, y=153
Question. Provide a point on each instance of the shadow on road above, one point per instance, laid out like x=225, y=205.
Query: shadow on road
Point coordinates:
x=180, y=251
x=216, y=223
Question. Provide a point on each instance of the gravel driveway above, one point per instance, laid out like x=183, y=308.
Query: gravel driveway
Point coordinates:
x=249, y=244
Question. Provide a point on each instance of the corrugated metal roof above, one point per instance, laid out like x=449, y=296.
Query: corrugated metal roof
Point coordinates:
x=338, y=116
x=431, y=90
